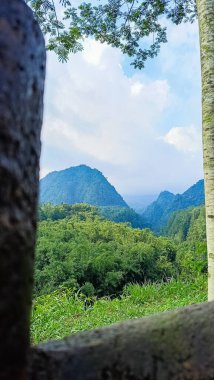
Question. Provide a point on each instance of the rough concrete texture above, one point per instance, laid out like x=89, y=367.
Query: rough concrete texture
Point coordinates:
x=176, y=345
x=22, y=71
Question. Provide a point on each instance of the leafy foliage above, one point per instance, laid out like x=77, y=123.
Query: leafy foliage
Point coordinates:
x=137, y=28
x=116, y=214
x=188, y=227
x=122, y=215
x=82, y=211
x=86, y=249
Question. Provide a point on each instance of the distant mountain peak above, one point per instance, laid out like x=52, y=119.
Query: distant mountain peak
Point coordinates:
x=158, y=213
x=166, y=195
x=79, y=184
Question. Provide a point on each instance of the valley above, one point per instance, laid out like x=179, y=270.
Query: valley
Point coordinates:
x=99, y=263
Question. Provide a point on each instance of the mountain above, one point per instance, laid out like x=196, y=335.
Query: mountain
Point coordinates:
x=79, y=184
x=158, y=213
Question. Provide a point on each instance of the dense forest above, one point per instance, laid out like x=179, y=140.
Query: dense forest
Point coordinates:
x=91, y=271
x=78, y=248
x=114, y=213
x=187, y=225
x=188, y=230
x=85, y=251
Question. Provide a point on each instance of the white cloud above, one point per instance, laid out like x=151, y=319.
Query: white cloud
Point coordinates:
x=136, y=88
x=98, y=115
x=93, y=52
x=185, y=139
x=95, y=111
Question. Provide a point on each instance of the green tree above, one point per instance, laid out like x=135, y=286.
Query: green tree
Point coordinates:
x=122, y=24
x=129, y=25
x=90, y=252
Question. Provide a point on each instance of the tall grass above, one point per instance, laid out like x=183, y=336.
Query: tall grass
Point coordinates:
x=63, y=313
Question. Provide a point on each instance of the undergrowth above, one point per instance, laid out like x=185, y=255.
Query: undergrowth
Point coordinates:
x=64, y=313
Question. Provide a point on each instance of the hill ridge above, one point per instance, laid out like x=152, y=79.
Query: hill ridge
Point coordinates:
x=79, y=184
x=158, y=213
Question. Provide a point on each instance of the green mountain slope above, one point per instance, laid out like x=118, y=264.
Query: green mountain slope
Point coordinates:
x=188, y=229
x=79, y=184
x=158, y=213
x=187, y=225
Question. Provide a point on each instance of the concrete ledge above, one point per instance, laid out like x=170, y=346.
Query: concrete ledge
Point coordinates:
x=175, y=345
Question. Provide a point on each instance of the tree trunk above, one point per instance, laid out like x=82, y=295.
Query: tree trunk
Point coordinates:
x=206, y=30
x=22, y=70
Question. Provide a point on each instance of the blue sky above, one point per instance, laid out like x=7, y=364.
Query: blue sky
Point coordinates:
x=142, y=129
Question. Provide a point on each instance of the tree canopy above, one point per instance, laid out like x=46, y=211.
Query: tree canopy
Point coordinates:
x=136, y=27
x=79, y=249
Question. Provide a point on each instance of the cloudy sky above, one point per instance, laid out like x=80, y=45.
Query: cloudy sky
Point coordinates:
x=142, y=129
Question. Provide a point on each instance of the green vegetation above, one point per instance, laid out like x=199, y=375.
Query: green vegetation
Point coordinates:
x=48, y=212
x=63, y=313
x=91, y=272
x=188, y=229
x=122, y=215
x=85, y=251
x=123, y=27
x=187, y=225
x=157, y=215
x=114, y=213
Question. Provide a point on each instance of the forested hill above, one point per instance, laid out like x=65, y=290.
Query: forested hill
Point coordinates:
x=187, y=225
x=79, y=249
x=158, y=213
x=116, y=214
x=79, y=184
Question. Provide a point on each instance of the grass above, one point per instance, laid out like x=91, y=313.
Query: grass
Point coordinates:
x=61, y=313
